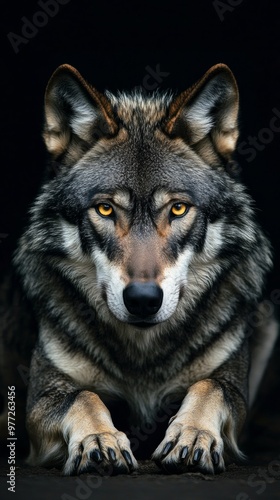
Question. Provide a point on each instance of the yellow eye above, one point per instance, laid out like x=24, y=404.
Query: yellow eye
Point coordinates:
x=179, y=209
x=104, y=209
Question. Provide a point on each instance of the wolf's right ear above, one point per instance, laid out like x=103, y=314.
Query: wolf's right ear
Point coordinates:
x=75, y=113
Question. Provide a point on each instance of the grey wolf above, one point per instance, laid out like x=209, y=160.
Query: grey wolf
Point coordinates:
x=142, y=261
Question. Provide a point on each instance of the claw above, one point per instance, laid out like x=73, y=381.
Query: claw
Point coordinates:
x=197, y=456
x=184, y=452
x=215, y=458
x=168, y=447
x=96, y=456
x=128, y=458
x=112, y=454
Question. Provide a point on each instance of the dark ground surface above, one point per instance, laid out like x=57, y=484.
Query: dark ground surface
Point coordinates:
x=260, y=479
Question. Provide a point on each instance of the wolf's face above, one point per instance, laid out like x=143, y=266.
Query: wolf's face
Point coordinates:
x=140, y=183
x=141, y=246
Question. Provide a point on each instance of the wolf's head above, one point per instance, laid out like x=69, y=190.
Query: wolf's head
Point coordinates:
x=141, y=189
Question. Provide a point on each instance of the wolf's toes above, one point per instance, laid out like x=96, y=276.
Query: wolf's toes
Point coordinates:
x=105, y=453
x=187, y=448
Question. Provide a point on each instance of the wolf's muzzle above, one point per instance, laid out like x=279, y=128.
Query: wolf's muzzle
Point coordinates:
x=142, y=299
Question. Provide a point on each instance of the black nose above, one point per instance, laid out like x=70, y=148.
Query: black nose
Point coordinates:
x=142, y=299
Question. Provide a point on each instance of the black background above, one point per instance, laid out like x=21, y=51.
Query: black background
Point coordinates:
x=113, y=45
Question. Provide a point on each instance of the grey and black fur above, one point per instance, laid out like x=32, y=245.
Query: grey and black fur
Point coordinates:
x=142, y=261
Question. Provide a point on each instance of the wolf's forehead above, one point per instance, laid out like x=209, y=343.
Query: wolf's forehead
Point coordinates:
x=143, y=168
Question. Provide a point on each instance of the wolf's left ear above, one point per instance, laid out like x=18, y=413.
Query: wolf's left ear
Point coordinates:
x=206, y=114
x=75, y=113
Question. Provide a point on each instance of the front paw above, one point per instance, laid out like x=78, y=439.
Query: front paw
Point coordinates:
x=107, y=453
x=188, y=448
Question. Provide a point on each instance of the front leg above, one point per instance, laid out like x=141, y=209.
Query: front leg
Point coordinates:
x=210, y=417
x=71, y=427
